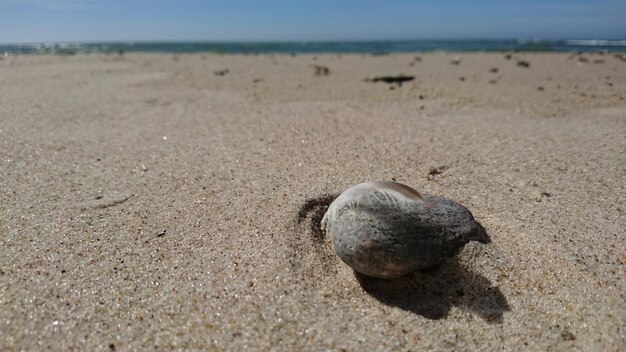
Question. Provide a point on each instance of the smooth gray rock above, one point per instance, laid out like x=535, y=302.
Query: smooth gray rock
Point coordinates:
x=386, y=229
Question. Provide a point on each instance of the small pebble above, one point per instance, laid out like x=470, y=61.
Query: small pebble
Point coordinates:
x=567, y=335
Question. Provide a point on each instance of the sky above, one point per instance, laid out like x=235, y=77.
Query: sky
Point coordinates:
x=28, y=21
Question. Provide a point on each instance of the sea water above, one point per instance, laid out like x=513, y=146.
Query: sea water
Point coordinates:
x=369, y=47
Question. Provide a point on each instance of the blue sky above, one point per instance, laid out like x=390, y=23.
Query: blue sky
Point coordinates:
x=251, y=20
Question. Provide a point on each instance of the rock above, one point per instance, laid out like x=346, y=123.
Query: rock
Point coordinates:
x=567, y=335
x=321, y=70
x=386, y=229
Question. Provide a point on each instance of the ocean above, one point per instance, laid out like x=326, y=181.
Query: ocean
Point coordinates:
x=369, y=47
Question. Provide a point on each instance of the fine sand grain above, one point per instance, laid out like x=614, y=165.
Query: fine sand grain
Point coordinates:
x=172, y=202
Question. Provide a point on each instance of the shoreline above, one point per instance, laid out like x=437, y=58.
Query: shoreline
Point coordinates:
x=380, y=47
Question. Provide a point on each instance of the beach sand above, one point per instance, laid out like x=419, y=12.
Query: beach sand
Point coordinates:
x=170, y=202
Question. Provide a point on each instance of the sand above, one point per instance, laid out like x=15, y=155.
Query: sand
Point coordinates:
x=150, y=202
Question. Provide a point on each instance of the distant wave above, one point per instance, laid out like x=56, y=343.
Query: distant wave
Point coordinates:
x=524, y=41
x=596, y=42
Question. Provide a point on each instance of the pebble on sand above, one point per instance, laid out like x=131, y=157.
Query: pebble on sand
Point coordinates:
x=386, y=229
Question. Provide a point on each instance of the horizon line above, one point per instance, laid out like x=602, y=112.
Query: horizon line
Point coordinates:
x=292, y=41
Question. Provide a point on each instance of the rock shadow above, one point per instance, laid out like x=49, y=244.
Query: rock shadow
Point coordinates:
x=432, y=293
